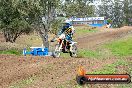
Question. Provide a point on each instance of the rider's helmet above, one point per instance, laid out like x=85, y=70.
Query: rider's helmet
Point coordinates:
x=67, y=23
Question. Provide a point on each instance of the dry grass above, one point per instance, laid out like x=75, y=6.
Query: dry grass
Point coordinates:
x=24, y=41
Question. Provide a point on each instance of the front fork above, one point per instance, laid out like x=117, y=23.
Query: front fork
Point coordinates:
x=64, y=44
x=71, y=48
x=60, y=47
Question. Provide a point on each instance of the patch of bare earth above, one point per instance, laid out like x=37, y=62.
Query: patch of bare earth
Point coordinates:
x=50, y=72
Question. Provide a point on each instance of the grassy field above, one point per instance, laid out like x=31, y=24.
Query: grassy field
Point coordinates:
x=23, y=83
x=119, y=49
x=26, y=41
x=15, y=52
x=81, y=31
x=111, y=68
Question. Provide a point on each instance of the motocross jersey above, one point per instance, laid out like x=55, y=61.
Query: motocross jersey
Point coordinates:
x=68, y=30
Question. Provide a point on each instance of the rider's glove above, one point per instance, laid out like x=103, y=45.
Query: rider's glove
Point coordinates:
x=52, y=40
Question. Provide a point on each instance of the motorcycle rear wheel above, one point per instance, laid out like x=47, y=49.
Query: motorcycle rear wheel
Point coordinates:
x=73, y=53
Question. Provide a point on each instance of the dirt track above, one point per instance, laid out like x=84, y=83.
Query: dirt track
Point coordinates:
x=52, y=73
x=93, y=40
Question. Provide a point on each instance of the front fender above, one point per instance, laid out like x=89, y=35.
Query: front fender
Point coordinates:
x=73, y=43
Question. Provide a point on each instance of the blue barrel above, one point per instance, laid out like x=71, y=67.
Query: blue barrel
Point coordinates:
x=45, y=51
x=24, y=51
x=39, y=51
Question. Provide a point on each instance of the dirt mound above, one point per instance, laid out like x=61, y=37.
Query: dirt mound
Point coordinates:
x=95, y=39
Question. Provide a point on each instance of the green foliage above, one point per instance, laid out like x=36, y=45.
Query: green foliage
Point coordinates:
x=78, y=8
x=56, y=25
x=127, y=12
x=14, y=15
x=118, y=11
x=109, y=21
x=21, y=16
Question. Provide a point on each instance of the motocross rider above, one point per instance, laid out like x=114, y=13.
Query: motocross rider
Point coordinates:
x=68, y=30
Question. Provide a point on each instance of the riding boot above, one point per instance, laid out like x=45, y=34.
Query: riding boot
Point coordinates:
x=63, y=49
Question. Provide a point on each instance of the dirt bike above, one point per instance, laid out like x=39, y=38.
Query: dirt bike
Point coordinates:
x=65, y=47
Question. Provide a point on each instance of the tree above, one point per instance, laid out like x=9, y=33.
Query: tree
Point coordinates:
x=112, y=10
x=117, y=14
x=48, y=8
x=13, y=23
x=18, y=16
x=127, y=12
x=105, y=9
x=118, y=11
x=78, y=8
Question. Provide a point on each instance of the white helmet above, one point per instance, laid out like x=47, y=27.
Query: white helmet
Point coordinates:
x=67, y=21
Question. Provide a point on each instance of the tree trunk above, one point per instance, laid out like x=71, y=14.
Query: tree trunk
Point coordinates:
x=43, y=32
x=9, y=37
x=49, y=16
x=45, y=38
x=16, y=35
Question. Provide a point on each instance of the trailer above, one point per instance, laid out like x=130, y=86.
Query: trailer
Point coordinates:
x=37, y=51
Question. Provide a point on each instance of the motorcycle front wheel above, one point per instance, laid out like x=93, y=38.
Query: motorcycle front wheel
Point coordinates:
x=57, y=51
